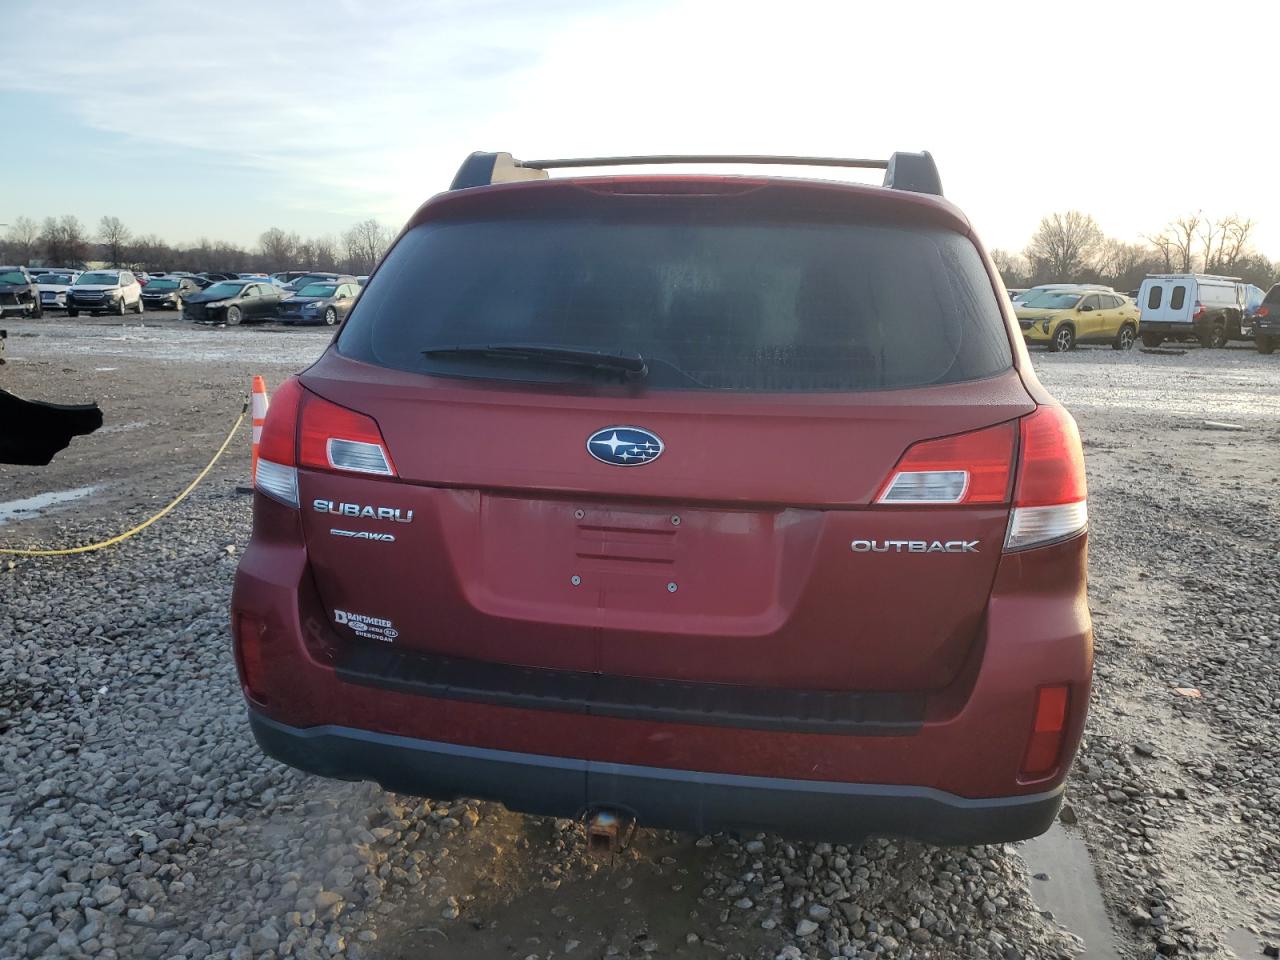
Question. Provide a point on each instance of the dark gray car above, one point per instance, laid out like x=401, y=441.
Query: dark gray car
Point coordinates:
x=324, y=302
x=168, y=293
x=18, y=292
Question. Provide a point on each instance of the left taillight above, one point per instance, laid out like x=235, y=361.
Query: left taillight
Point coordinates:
x=332, y=437
x=277, y=474
x=304, y=430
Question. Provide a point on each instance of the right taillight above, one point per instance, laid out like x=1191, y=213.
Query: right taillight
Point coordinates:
x=1049, y=494
x=1263, y=312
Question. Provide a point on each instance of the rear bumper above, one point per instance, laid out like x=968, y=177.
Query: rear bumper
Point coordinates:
x=1170, y=329
x=954, y=774
x=701, y=802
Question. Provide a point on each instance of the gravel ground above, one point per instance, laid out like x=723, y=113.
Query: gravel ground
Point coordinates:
x=137, y=818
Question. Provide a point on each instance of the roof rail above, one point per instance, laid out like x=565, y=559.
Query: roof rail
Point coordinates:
x=902, y=171
x=1197, y=276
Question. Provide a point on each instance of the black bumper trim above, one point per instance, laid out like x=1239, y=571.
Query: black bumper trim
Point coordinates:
x=657, y=797
x=633, y=698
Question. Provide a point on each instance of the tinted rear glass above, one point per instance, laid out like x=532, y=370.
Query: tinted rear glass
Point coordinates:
x=712, y=305
x=1273, y=295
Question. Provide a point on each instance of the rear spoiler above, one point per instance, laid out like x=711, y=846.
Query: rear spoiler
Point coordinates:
x=902, y=171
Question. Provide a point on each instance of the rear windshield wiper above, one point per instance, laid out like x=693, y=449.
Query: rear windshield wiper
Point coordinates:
x=629, y=363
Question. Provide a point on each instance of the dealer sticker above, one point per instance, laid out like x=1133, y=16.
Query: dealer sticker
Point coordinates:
x=370, y=628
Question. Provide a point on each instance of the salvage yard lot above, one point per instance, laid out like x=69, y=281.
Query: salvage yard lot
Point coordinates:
x=137, y=818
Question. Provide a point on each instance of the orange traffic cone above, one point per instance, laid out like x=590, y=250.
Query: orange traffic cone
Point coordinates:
x=260, y=402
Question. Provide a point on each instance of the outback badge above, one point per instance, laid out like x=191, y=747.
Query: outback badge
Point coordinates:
x=625, y=446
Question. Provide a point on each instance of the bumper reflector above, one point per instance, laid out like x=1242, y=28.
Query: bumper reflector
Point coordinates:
x=248, y=632
x=1047, y=730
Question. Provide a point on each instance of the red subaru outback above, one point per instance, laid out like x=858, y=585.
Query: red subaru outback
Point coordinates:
x=716, y=502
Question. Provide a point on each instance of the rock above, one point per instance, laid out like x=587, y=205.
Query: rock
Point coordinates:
x=326, y=899
x=819, y=912
x=266, y=937
x=806, y=928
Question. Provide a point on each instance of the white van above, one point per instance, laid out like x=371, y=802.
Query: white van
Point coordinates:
x=1196, y=306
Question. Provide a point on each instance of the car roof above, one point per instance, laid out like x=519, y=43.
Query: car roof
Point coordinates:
x=496, y=181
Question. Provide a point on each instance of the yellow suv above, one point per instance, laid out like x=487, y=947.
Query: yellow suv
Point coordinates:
x=1060, y=319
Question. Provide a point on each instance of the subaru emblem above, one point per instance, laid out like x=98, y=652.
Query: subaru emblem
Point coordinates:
x=624, y=446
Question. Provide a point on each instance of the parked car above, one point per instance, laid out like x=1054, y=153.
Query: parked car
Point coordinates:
x=143, y=278
x=19, y=293
x=169, y=293
x=232, y=302
x=287, y=277
x=53, y=289
x=262, y=278
x=1059, y=319
x=1028, y=297
x=1191, y=306
x=740, y=508
x=104, y=291
x=1264, y=323
x=294, y=286
x=322, y=302
x=216, y=275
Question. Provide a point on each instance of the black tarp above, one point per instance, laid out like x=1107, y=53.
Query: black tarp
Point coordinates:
x=31, y=432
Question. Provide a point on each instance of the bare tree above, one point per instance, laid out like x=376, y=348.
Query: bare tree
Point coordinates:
x=1123, y=265
x=1013, y=267
x=326, y=253
x=1224, y=243
x=152, y=253
x=1165, y=248
x=365, y=243
x=23, y=239
x=1064, y=244
x=279, y=249
x=1254, y=267
x=64, y=240
x=115, y=236
x=305, y=256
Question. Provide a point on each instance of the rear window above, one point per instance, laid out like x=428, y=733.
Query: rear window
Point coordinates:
x=1178, y=297
x=760, y=306
x=1153, y=296
x=1273, y=295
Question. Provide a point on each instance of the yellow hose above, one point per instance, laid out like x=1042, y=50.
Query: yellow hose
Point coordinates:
x=89, y=548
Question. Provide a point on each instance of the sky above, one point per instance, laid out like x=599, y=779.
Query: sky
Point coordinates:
x=189, y=122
